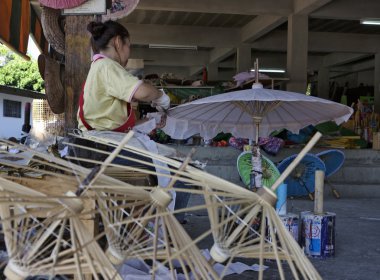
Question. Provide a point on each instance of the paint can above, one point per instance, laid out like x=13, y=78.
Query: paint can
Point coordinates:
x=318, y=234
x=291, y=223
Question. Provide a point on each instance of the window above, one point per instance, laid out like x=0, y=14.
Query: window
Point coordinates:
x=12, y=109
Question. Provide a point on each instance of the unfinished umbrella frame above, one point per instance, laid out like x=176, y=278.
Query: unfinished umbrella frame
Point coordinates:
x=120, y=205
x=233, y=232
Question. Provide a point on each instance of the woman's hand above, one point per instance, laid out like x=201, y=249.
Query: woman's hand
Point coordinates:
x=162, y=122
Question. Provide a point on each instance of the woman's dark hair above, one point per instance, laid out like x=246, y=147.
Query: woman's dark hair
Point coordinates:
x=103, y=32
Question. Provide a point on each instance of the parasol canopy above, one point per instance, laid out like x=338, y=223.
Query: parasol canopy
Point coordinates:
x=62, y=4
x=237, y=112
x=120, y=9
x=301, y=181
x=244, y=167
x=333, y=160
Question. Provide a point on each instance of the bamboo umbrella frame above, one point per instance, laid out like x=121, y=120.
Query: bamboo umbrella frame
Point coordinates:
x=139, y=239
x=234, y=232
x=43, y=231
x=56, y=245
x=145, y=229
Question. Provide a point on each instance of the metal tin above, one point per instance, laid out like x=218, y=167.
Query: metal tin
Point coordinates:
x=291, y=223
x=318, y=234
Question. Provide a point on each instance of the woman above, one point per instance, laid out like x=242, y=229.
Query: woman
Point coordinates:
x=109, y=89
x=104, y=103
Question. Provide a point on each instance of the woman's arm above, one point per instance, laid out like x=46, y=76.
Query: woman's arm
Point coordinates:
x=146, y=92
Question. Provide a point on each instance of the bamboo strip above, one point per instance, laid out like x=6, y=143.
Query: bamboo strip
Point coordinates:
x=262, y=240
x=275, y=249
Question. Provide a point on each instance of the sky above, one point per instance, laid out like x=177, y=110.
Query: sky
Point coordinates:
x=33, y=50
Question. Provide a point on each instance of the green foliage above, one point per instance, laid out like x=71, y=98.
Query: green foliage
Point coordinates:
x=17, y=72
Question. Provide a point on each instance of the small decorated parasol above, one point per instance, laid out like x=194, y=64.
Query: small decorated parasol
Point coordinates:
x=120, y=9
x=244, y=166
x=301, y=181
x=333, y=160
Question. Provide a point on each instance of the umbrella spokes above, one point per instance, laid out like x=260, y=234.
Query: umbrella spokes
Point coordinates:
x=299, y=171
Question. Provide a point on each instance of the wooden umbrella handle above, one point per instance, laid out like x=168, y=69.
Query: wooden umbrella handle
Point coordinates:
x=297, y=160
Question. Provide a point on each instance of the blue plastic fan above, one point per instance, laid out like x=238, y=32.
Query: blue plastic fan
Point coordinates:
x=333, y=160
x=301, y=181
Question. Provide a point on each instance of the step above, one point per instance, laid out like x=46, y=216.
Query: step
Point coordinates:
x=354, y=190
x=358, y=177
x=225, y=172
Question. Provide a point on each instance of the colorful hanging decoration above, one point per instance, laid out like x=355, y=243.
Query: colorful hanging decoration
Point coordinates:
x=62, y=4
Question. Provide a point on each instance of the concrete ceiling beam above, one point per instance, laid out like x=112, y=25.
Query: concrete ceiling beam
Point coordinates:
x=323, y=42
x=259, y=27
x=349, y=10
x=219, y=54
x=183, y=35
x=337, y=59
x=171, y=57
x=241, y=7
x=344, y=42
x=358, y=67
x=305, y=7
x=264, y=24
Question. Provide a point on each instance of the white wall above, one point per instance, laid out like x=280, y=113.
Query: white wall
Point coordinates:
x=11, y=127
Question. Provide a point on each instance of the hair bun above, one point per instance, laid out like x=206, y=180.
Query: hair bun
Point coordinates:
x=96, y=29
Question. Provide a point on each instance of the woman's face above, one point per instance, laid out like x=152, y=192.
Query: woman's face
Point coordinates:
x=123, y=48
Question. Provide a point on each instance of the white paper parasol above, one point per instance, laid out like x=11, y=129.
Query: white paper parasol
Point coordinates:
x=247, y=113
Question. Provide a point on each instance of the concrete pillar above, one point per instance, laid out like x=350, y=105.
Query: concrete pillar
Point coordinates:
x=376, y=83
x=244, y=60
x=323, y=82
x=297, y=52
x=212, y=71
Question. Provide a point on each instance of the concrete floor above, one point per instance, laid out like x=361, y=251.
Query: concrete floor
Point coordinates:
x=357, y=239
x=357, y=211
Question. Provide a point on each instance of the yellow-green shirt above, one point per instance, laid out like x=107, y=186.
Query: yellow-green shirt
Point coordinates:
x=107, y=90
